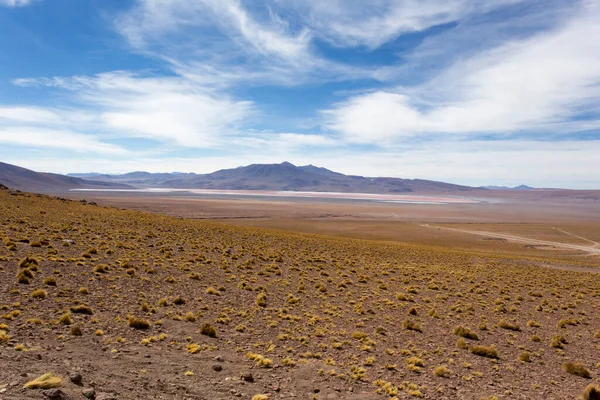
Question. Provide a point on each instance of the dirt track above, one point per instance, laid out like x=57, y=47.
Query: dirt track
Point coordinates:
x=588, y=249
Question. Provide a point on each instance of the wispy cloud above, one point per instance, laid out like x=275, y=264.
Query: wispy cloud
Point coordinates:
x=36, y=138
x=550, y=77
x=348, y=23
x=15, y=3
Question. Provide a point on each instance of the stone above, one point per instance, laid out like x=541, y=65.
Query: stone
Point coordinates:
x=54, y=394
x=247, y=376
x=217, y=367
x=89, y=393
x=76, y=378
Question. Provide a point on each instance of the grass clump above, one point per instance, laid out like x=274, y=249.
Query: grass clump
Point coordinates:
x=591, y=392
x=525, y=356
x=485, y=351
x=261, y=299
x=46, y=381
x=4, y=337
x=411, y=326
x=465, y=332
x=208, y=330
x=260, y=397
x=50, y=281
x=76, y=331
x=513, y=326
x=138, y=323
x=442, y=371
x=577, y=370
x=66, y=319
x=260, y=360
x=558, y=341
x=24, y=276
x=39, y=294
x=82, y=309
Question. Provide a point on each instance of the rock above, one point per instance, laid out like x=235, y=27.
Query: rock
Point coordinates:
x=217, y=367
x=76, y=378
x=89, y=393
x=54, y=394
x=247, y=376
x=219, y=359
x=106, y=396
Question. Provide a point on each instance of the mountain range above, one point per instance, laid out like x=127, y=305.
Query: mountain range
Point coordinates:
x=285, y=177
x=280, y=177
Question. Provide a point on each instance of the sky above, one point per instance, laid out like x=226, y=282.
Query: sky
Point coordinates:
x=475, y=92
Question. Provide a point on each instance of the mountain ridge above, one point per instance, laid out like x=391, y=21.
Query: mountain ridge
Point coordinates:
x=284, y=176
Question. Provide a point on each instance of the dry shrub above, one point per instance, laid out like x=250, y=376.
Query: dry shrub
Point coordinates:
x=66, y=319
x=76, y=331
x=46, y=381
x=576, y=369
x=442, y=371
x=82, y=309
x=39, y=294
x=208, y=330
x=465, y=332
x=525, y=356
x=485, y=351
x=591, y=392
x=411, y=325
x=513, y=326
x=138, y=323
x=4, y=337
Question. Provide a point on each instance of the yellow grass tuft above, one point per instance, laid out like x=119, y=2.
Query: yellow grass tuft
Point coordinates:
x=46, y=381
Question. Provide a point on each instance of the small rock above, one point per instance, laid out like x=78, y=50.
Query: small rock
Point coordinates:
x=219, y=359
x=89, y=393
x=76, y=378
x=106, y=396
x=217, y=367
x=247, y=376
x=316, y=390
x=54, y=394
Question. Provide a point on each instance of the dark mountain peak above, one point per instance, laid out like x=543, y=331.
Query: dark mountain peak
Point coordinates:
x=287, y=164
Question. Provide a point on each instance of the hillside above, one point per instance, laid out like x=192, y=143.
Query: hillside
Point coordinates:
x=24, y=179
x=284, y=176
x=128, y=305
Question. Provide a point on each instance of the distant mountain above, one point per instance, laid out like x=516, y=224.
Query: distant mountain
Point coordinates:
x=285, y=177
x=520, y=187
x=27, y=180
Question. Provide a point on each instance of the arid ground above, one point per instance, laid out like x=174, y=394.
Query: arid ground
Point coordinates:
x=177, y=297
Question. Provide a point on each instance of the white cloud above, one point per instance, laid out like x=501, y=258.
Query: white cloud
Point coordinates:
x=166, y=109
x=521, y=85
x=35, y=137
x=15, y=3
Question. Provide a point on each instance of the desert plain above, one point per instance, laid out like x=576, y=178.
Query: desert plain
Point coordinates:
x=121, y=295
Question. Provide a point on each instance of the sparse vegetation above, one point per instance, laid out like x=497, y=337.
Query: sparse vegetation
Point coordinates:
x=324, y=307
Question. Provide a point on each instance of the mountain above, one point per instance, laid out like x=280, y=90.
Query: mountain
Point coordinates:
x=520, y=187
x=27, y=180
x=285, y=176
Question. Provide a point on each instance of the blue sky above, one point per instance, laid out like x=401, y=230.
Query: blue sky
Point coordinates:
x=467, y=91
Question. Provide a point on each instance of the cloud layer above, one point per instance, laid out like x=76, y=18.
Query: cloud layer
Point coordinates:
x=392, y=81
